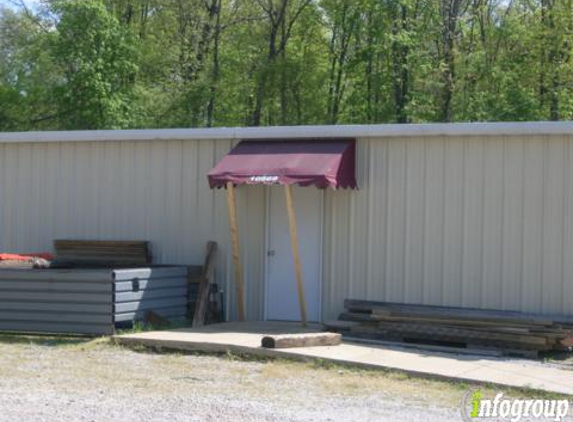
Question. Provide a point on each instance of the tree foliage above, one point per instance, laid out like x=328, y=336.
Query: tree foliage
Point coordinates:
x=97, y=61
x=90, y=64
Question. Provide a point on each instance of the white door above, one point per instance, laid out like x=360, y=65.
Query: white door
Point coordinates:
x=281, y=291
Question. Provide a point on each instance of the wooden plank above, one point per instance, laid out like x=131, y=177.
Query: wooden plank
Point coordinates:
x=445, y=331
x=447, y=337
x=507, y=351
x=340, y=325
x=295, y=253
x=421, y=338
x=238, y=268
x=474, y=324
x=202, y=303
x=429, y=347
x=71, y=243
x=387, y=308
x=512, y=332
x=110, y=260
x=100, y=253
x=301, y=340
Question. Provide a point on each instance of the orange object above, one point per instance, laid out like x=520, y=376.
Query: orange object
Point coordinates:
x=25, y=257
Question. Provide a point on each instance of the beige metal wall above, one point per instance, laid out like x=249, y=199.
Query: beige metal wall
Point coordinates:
x=156, y=191
x=474, y=221
x=477, y=222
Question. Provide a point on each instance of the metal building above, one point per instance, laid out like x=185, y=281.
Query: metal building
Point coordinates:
x=474, y=215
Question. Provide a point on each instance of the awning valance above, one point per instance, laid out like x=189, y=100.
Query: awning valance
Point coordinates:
x=306, y=162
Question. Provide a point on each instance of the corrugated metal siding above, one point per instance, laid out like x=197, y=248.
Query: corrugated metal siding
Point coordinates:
x=474, y=221
x=478, y=222
x=80, y=301
x=161, y=290
x=153, y=190
x=56, y=301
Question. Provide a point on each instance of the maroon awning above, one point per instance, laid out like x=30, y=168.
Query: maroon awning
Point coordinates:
x=318, y=162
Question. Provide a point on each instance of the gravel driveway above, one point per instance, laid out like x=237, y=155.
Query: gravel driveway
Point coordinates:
x=72, y=380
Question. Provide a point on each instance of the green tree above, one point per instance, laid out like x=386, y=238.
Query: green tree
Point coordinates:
x=90, y=64
x=98, y=61
x=26, y=74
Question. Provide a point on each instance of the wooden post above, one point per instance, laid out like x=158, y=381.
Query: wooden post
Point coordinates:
x=295, y=252
x=236, y=251
x=203, y=294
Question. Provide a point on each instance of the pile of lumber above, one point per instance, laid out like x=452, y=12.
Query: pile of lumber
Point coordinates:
x=98, y=253
x=460, y=328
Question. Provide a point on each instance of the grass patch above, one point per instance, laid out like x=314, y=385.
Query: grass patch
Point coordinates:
x=353, y=380
x=44, y=340
x=77, y=364
x=142, y=327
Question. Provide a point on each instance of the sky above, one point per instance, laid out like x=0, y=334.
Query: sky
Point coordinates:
x=11, y=3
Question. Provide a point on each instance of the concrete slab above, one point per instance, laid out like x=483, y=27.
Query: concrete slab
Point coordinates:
x=246, y=338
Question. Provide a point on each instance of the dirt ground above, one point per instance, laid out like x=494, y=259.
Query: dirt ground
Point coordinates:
x=43, y=379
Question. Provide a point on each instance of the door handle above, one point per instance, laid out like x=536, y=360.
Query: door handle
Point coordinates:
x=271, y=253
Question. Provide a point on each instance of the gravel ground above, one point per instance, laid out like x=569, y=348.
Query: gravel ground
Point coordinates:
x=72, y=380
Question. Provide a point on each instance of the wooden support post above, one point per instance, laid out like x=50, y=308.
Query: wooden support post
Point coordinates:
x=295, y=252
x=236, y=251
x=202, y=306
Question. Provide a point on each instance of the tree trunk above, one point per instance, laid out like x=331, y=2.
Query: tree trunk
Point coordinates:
x=283, y=95
x=280, y=26
x=262, y=85
x=340, y=43
x=369, y=68
x=549, y=75
x=401, y=70
x=450, y=11
x=216, y=72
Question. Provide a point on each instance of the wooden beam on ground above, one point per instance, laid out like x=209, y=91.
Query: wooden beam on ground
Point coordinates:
x=207, y=276
x=238, y=268
x=340, y=326
x=285, y=341
x=295, y=253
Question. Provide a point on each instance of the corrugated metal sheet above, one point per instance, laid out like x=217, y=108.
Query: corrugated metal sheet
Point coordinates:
x=476, y=222
x=153, y=190
x=162, y=290
x=80, y=301
x=53, y=301
x=473, y=221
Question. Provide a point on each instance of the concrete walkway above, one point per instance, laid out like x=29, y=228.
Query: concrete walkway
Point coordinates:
x=246, y=338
